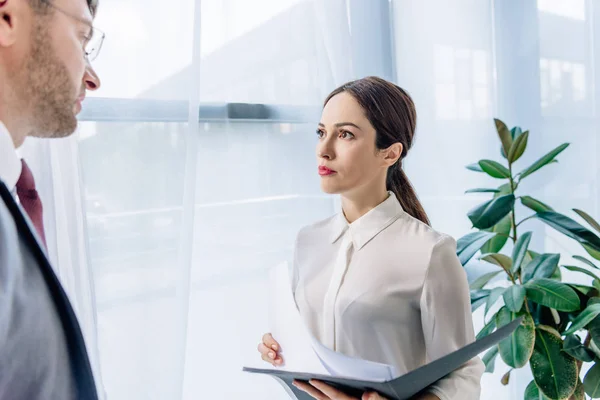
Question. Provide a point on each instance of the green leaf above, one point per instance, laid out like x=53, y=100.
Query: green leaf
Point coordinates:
x=556, y=275
x=474, y=167
x=514, y=296
x=554, y=371
x=502, y=229
x=593, y=223
x=520, y=250
x=586, y=261
x=498, y=259
x=552, y=294
x=479, y=294
x=584, y=318
x=532, y=392
x=582, y=270
x=505, y=378
x=478, y=298
x=543, y=266
x=491, y=212
x=504, y=135
x=570, y=228
x=482, y=190
x=518, y=147
x=516, y=132
x=516, y=349
x=468, y=245
x=594, y=329
x=572, y=346
x=482, y=280
x=548, y=158
x=503, y=189
x=593, y=300
x=489, y=359
x=530, y=255
x=494, y=169
x=487, y=329
x=591, y=382
x=592, y=251
x=495, y=293
x=535, y=204
x=586, y=290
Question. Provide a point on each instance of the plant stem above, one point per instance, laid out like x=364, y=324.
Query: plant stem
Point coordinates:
x=514, y=237
x=514, y=218
x=504, y=234
x=525, y=219
x=586, y=343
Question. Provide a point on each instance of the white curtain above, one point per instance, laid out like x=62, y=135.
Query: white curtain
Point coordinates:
x=162, y=228
x=56, y=168
x=184, y=219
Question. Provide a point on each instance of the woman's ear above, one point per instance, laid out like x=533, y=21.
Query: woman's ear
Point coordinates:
x=392, y=154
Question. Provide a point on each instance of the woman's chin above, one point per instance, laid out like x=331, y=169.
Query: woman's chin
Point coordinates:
x=329, y=188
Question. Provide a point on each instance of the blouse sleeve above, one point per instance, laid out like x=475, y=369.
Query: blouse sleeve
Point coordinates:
x=447, y=321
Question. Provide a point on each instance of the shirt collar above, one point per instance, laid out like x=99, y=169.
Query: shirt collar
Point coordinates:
x=10, y=162
x=369, y=225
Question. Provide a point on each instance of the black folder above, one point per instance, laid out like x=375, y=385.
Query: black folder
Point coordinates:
x=400, y=388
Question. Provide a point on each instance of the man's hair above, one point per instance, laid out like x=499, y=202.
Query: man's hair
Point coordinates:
x=43, y=6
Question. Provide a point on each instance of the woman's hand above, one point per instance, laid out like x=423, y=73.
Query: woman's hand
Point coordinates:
x=426, y=396
x=322, y=391
x=269, y=350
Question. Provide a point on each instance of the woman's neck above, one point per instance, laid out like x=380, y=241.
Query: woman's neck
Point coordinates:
x=355, y=206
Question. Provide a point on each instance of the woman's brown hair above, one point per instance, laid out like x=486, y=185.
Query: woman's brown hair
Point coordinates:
x=392, y=113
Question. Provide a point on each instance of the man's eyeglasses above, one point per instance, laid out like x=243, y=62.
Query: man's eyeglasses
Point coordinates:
x=94, y=44
x=96, y=36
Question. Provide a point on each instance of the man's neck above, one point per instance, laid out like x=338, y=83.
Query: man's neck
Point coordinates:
x=17, y=137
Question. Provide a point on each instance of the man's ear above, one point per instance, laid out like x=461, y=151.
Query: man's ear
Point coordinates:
x=11, y=16
x=392, y=154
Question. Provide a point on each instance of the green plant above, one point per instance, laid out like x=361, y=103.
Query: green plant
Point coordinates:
x=554, y=311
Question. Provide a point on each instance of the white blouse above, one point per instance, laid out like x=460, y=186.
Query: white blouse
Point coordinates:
x=387, y=288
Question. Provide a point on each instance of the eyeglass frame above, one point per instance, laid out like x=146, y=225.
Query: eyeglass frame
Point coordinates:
x=93, y=29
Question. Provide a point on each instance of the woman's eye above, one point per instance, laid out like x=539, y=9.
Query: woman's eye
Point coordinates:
x=346, y=135
x=320, y=133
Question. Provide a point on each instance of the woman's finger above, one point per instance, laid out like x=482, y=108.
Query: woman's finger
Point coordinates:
x=270, y=342
x=311, y=390
x=264, y=350
x=269, y=356
x=330, y=391
x=372, y=396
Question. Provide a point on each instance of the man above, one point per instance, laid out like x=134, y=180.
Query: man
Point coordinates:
x=45, y=50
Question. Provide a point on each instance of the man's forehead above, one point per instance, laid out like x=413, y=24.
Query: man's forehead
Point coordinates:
x=78, y=8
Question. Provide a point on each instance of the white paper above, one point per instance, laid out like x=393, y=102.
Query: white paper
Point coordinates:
x=287, y=326
x=301, y=351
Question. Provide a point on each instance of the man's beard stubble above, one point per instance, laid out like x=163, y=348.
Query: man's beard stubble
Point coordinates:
x=47, y=91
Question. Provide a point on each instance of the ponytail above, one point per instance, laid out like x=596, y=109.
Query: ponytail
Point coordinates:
x=398, y=182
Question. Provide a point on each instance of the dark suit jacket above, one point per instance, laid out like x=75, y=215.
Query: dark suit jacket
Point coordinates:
x=23, y=251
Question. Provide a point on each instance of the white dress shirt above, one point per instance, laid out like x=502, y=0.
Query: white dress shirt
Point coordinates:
x=387, y=288
x=10, y=162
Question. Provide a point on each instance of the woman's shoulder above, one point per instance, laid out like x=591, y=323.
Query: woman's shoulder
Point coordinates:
x=409, y=228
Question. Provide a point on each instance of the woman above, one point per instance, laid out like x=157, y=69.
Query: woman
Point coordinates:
x=376, y=281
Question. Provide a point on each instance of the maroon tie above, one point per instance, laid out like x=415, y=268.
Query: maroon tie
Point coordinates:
x=31, y=202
